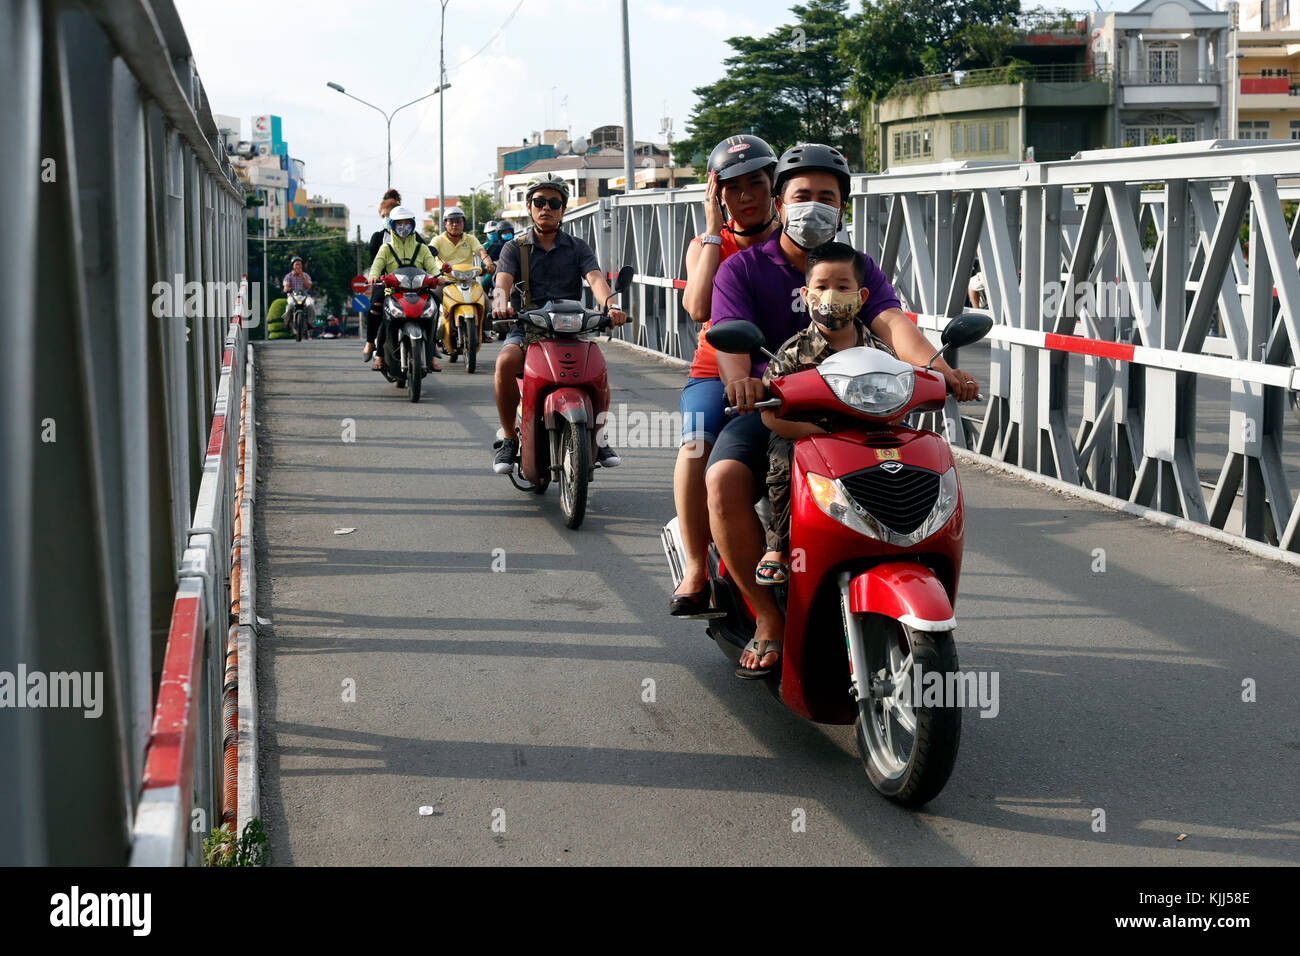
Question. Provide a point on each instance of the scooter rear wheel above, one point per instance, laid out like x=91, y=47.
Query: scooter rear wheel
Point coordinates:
x=908, y=749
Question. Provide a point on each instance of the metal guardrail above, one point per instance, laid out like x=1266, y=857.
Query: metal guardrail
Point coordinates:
x=1146, y=221
x=108, y=394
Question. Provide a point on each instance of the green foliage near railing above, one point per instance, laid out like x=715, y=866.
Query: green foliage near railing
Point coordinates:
x=222, y=848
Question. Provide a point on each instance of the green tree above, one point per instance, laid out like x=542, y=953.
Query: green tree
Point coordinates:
x=787, y=87
x=893, y=40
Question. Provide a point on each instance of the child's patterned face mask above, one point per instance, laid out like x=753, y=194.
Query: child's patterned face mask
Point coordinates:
x=833, y=309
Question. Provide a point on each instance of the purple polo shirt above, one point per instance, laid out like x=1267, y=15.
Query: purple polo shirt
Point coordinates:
x=759, y=285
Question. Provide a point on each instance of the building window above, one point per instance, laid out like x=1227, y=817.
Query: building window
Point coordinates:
x=1264, y=18
x=972, y=139
x=917, y=143
x=1162, y=62
x=1295, y=129
x=1252, y=129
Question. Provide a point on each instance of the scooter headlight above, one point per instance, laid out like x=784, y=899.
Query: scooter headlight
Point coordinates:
x=875, y=393
x=943, y=508
x=567, y=321
x=392, y=308
x=430, y=308
x=836, y=503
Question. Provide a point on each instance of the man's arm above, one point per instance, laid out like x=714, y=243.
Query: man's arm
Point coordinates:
x=732, y=299
x=898, y=332
x=601, y=290
x=505, y=281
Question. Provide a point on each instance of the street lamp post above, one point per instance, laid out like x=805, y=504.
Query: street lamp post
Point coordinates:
x=388, y=117
x=442, y=78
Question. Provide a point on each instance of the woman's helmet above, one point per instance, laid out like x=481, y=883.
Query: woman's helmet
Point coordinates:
x=549, y=181
x=738, y=155
x=401, y=215
x=810, y=156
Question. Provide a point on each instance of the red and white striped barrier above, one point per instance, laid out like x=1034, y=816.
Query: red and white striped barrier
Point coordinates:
x=169, y=786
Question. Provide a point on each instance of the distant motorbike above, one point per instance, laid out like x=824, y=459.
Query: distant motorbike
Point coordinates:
x=299, y=307
x=409, y=300
x=463, y=308
x=876, y=511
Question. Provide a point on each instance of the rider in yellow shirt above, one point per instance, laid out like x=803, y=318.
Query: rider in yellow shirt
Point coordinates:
x=455, y=248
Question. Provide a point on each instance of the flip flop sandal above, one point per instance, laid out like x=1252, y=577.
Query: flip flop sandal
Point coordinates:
x=761, y=649
x=779, y=576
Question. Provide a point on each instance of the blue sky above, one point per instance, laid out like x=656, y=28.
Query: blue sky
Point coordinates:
x=557, y=62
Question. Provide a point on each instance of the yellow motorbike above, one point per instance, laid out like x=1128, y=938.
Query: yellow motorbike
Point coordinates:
x=464, y=305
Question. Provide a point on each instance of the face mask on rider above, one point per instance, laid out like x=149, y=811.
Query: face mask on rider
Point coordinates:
x=832, y=309
x=809, y=224
x=403, y=229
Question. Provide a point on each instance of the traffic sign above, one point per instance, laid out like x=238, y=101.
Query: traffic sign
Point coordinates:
x=360, y=303
x=360, y=284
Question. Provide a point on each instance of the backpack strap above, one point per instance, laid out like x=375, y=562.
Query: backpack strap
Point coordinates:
x=523, y=276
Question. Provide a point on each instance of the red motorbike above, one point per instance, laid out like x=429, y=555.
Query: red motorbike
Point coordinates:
x=876, y=533
x=409, y=311
x=562, y=391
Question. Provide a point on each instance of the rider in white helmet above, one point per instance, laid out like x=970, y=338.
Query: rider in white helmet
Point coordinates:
x=403, y=249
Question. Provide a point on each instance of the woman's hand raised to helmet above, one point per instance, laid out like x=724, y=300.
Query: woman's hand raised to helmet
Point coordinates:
x=712, y=210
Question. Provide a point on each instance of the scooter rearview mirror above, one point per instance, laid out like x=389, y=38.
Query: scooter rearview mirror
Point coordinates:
x=736, y=338
x=967, y=329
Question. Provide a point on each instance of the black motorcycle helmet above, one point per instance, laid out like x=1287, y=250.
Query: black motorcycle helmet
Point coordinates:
x=806, y=156
x=739, y=155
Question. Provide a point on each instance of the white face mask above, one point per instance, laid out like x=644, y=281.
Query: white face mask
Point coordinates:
x=809, y=224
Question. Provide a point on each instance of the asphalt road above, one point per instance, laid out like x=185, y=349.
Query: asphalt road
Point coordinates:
x=511, y=702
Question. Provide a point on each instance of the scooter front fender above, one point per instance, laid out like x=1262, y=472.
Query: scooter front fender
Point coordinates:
x=413, y=331
x=908, y=592
x=570, y=404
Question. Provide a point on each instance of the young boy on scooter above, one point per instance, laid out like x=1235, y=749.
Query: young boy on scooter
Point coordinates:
x=834, y=295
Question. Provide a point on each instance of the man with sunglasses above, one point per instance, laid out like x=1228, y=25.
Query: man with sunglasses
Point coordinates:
x=557, y=262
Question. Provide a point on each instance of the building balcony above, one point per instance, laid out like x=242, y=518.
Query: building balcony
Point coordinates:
x=1185, y=88
x=999, y=87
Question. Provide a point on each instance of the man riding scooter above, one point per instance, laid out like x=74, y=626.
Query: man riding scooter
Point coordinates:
x=549, y=264
x=458, y=250
x=403, y=249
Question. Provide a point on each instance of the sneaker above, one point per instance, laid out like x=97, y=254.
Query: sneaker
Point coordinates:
x=606, y=457
x=504, y=462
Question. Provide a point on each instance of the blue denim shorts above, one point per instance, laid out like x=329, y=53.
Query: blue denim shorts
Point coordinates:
x=701, y=404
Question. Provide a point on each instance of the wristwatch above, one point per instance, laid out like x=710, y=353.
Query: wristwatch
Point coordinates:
x=711, y=240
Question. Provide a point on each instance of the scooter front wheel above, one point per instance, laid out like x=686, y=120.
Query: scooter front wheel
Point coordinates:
x=575, y=469
x=907, y=738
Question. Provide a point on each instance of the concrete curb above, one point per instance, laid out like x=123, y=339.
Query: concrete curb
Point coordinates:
x=1119, y=504
x=650, y=353
x=249, y=800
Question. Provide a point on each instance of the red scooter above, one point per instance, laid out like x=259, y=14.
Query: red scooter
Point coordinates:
x=409, y=312
x=876, y=533
x=562, y=391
